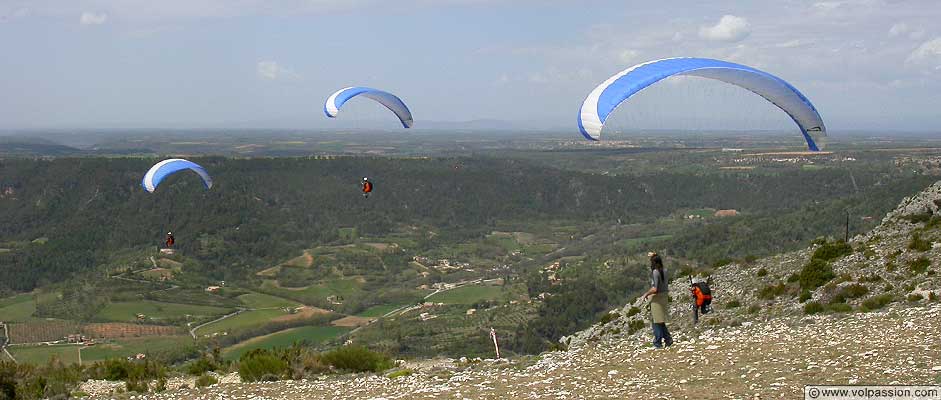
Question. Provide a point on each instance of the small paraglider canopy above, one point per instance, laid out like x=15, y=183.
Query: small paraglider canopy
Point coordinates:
x=607, y=96
x=165, y=168
x=333, y=104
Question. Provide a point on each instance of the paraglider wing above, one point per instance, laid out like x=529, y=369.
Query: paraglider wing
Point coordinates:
x=389, y=100
x=607, y=96
x=165, y=168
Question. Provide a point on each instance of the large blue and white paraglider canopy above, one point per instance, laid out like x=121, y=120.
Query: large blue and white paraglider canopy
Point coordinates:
x=611, y=93
x=389, y=100
x=165, y=168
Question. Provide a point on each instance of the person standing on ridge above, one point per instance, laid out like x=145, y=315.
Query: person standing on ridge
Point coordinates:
x=659, y=301
x=170, y=240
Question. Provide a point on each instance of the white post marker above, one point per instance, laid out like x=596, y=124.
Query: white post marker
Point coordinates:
x=493, y=335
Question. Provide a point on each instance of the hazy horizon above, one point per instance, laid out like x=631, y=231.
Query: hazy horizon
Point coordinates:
x=868, y=65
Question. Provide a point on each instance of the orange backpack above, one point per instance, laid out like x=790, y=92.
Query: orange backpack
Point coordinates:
x=703, y=295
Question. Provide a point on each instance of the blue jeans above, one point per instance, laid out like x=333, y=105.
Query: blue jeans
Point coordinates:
x=661, y=336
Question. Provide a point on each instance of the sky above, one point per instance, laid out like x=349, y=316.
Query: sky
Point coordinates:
x=866, y=64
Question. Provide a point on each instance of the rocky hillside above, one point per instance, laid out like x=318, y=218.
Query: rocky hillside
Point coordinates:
x=897, y=262
x=862, y=313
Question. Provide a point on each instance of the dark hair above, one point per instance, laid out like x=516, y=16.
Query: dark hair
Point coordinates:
x=657, y=263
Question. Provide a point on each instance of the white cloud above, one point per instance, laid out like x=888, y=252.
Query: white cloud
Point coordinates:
x=629, y=57
x=271, y=71
x=90, y=18
x=902, y=29
x=828, y=5
x=898, y=29
x=790, y=44
x=729, y=29
x=928, y=53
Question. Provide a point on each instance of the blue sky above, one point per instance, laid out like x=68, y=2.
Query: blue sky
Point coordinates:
x=866, y=64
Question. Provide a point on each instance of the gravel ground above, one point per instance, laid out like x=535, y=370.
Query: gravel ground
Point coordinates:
x=768, y=359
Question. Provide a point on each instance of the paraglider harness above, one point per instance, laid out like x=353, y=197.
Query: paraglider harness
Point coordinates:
x=170, y=241
x=367, y=187
x=702, y=297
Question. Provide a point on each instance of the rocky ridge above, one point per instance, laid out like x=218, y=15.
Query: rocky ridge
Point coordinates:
x=880, y=262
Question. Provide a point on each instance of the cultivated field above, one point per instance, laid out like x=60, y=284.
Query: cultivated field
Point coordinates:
x=127, y=311
x=129, y=347
x=244, y=320
x=123, y=330
x=309, y=334
x=261, y=300
x=42, y=353
x=18, y=308
x=42, y=331
x=468, y=294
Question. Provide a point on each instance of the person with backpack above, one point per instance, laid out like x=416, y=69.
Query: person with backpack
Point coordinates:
x=659, y=301
x=702, y=297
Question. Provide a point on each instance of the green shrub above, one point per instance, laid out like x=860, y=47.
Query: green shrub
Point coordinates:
x=935, y=222
x=839, y=308
x=771, y=291
x=850, y=292
x=919, y=244
x=877, y=302
x=793, y=278
x=913, y=297
x=633, y=311
x=734, y=303
x=932, y=297
x=761, y=272
x=634, y=326
x=400, y=373
x=919, y=265
x=815, y=274
x=205, y=363
x=608, y=317
x=890, y=267
x=753, y=309
x=812, y=307
x=136, y=385
x=888, y=287
x=357, y=359
x=206, y=380
x=832, y=251
x=722, y=262
x=804, y=296
x=918, y=218
x=870, y=278
x=261, y=365
x=750, y=259
x=160, y=385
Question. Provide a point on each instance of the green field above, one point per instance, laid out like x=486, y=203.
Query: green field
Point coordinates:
x=261, y=300
x=378, y=311
x=287, y=337
x=244, y=320
x=468, y=294
x=320, y=291
x=130, y=347
x=42, y=354
x=128, y=311
x=643, y=240
x=17, y=308
x=701, y=212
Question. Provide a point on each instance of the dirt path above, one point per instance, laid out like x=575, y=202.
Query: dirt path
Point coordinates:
x=237, y=312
